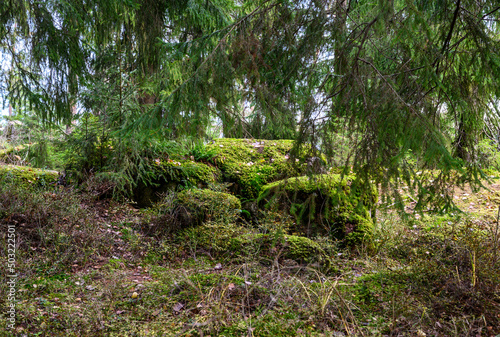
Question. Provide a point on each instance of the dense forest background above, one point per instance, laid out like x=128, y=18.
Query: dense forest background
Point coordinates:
x=158, y=113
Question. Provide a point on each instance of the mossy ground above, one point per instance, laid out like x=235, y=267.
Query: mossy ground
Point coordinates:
x=81, y=260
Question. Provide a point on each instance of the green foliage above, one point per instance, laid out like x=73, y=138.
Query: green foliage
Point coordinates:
x=31, y=141
x=488, y=155
x=387, y=79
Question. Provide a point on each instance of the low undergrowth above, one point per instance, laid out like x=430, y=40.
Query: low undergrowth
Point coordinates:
x=91, y=267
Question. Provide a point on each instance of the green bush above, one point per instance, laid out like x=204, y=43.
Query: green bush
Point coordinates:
x=488, y=155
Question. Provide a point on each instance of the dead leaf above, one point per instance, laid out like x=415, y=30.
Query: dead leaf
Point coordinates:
x=178, y=307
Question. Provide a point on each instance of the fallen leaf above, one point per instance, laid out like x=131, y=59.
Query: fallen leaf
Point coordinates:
x=178, y=307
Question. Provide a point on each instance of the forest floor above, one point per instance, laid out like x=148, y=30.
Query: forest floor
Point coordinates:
x=96, y=272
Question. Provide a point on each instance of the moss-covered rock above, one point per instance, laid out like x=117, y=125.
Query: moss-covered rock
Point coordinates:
x=198, y=206
x=324, y=204
x=169, y=174
x=235, y=240
x=251, y=164
x=28, y=176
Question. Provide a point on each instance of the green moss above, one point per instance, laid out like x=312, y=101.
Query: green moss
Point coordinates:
x=304, y=249
x=28, y=176
x=207, y=205
x=217, y=237
x=186, y=172
x=169, y=174
x=236, y=240
x=250, y=164
x=324, y=204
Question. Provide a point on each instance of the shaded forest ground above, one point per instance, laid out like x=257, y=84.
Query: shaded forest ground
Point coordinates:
x=90, y=267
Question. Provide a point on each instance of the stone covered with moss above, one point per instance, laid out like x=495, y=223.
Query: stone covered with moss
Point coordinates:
x=199, y=206
x=169, y=174
x=324, y=204
x=250, y=164
x=28, y=176
x=237, y=240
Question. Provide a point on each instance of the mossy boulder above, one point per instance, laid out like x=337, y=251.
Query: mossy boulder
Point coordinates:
x=250, y=164
x=326, y=204
x=199, y=206
x=28, y=176
x=169, y=174
x=235, y=240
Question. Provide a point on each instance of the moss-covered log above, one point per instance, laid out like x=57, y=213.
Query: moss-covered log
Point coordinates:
x=28, y=176
x=324, y=204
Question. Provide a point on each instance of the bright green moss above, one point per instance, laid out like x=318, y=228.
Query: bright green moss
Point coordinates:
x=250, y=164
x=304, y=249
x=185, y=172
x=169, y=174
x=28, y=176
x=324, y=204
